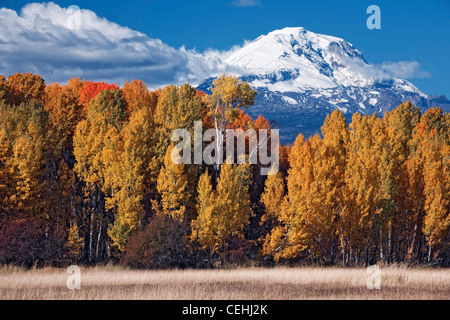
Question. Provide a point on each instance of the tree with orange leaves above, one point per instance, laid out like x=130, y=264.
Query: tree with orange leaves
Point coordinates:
x=137, y=96
x=431, y=143
x=5, y=94
x=25, y=86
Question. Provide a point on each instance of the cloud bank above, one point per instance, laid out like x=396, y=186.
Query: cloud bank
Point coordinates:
x=61, y=43
x=404, y=70
x=386, y=70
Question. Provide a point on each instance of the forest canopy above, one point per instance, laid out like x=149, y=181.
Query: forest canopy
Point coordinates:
x=86, y=177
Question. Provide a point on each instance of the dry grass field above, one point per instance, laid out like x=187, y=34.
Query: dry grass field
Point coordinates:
x=228, y=284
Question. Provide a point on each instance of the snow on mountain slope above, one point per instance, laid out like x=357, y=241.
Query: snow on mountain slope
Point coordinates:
x=313, y=60
x=301, y=76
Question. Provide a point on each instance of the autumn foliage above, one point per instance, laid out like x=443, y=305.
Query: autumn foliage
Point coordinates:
x=86, y=176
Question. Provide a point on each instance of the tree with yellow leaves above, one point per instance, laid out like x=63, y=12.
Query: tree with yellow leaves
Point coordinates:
x=32, y=172
x=224, y=212
x=228, y=95
x=178, y=107
x=30, y=146
x=96, y=141
x=7, y=182
x=272, y=200
x=400, y=182
x=172, y=186
x=309, y=214
x=329, y=170
x=130, y=175
x=202, y=227
x=360, y=220
x=289, y=237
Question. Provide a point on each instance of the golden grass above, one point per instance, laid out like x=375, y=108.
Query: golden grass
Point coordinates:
x=228, y=284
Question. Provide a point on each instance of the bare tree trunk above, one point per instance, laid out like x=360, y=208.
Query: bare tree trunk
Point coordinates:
x=99, y=238
x=220, y=131
x=389, y=245
x=343, y=251
x=429, y=253
x=332, y=249
x=413, y=241
x=91, y=231
x=381, y=246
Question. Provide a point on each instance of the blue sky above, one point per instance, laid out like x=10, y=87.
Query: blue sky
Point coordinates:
x=410, y=31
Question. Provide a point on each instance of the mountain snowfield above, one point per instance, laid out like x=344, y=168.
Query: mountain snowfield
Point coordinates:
x=302, y=76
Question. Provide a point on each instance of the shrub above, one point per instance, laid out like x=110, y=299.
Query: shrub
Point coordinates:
x=161, y=244
x=22, y=242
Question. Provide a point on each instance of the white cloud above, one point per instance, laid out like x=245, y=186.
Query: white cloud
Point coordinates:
x=387, y=70
x=60, y=43
x=210, y=63
x=246, y=3
x=404, y=69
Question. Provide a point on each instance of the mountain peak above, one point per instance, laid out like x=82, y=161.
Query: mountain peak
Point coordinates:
x=312, y=60
x=302, y=33
x=302, y=76
x=288, y=30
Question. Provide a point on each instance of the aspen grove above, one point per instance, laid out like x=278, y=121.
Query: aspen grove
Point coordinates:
x=86, y=177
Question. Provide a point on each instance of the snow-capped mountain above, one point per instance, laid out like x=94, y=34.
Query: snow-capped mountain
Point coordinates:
x=302, y=76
